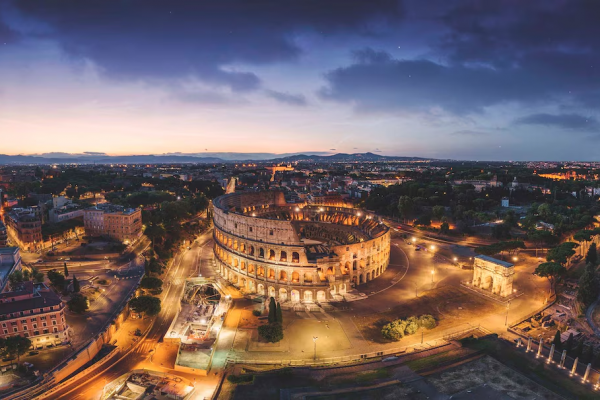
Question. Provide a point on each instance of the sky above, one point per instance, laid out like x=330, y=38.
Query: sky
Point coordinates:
x=478, y=79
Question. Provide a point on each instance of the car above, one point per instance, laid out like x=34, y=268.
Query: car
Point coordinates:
x=417, y=248
x=68, y=259
x=33, y=353
x=60, y=258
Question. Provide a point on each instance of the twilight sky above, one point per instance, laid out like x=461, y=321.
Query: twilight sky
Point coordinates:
x=482, y=80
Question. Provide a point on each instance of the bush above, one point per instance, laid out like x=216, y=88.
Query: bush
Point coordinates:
x=271, y=333
x=399, y=328
x=256, y=313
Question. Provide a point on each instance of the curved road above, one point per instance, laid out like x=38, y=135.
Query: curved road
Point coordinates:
x=184, y=264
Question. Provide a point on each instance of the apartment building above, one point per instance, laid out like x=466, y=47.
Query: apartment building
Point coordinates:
x=35, y=312
x=116, y=222
x=25, y=227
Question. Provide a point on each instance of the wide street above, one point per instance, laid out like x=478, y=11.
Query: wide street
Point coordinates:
x=188, y=263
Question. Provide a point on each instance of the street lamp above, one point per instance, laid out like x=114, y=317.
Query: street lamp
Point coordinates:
x=414, y=239
x=432, y=247
x=506, y=319
x=432, y=273
x=315, y=342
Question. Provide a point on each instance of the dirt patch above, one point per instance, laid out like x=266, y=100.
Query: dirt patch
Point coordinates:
x=487, y=370
x=451, y=306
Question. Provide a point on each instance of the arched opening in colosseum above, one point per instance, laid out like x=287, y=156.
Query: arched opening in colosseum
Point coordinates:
x=243, y=267
x=362, y=264
x=229, y=243
x=283, y=276
x=243, y=247
x=308, y=295
x=283, y=294
x=321, y=275
x=235, y=262
x=271, y=273
x=355, y=280
x=361, y=279
x=260, y=271
x=346, y=268
x=368, y=276
x=261, y=252
x=283, y=256
x=260, y=289
x=251, y=286
x=251, y=268
x=272, y=255
x=354, y=264
x=251, y=250
x=295, y=257
x=243, y=283
x=295, y=277
x=271, y=291
x=321, y=296
x=308, y=278
x=342, y=288
x=235, y=245
x=330, y=271
x=295, y=296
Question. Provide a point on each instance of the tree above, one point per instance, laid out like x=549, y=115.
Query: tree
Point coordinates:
x=78, y=303
x=561, y=253
x=279, y=314
x=14, y=346
x=272, y=311
x=405, y=206
x=395, y=330
x=66, y=270
x=271, y=332
x=557, y=342
x=568, y=345
x=37, y=276
x=544, y=210
x=15, y=279
x=445, y=228
x=149, y=282
x=553, y=271
x=438, y=212
x=145, y=304
x=57, y=279
x=578, y=350
x=592, y=255
x=76, y=286
x=424, y=220
x=589, y=285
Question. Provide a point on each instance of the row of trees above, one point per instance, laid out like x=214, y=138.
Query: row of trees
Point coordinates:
x=273, y=331
x=584, y=353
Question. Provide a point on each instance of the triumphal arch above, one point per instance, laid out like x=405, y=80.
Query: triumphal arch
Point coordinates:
x=493, y=275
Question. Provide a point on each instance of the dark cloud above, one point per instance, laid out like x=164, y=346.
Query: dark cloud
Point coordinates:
x=574, y=122
x=158, y=39
x=287, y=98
x=377, y=82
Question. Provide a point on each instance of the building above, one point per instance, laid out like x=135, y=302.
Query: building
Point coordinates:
x=35, y=312
x=63, y=210
x=3, y=235
x=25, y=227
x=493, y=275
x=116, y=222
x=10, y=261
x=505, y=202
x=296, y=252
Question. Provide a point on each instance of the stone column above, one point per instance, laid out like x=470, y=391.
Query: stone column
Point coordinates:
x=574, y=369
x=541, y=345
x=587, y=372
x=562, y=359
x=551, y=355
x=528, y=345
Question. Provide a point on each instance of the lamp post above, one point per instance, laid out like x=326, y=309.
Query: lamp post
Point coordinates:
x=315, y=342
x=432, y=273
x=506, y=319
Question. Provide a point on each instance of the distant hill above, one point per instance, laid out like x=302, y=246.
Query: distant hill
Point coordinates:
x=343, y=157
x=65, y=158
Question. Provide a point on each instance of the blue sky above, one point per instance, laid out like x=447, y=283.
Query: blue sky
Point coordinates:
x=482, y=80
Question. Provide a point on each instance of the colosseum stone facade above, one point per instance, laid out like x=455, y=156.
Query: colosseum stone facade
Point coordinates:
x=296, y=252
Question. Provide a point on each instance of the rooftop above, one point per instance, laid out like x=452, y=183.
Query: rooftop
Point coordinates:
x=495, y=261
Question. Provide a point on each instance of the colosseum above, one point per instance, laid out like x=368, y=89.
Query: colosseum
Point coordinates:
x=296, y=252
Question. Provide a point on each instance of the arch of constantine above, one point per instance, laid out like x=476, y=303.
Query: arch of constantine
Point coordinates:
x=296, y=252
x=493, y=275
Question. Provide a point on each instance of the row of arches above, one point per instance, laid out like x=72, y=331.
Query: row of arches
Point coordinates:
x=258, y=251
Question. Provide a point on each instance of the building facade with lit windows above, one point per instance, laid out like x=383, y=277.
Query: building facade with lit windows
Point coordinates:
x=116, y=222
x=25, y=227
x=34, y=311
x=296, y=252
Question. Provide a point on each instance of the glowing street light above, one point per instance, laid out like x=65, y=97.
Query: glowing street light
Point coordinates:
x=414, y=239
x=432, y=247
x=297, y=209
x=515, y=259
x=432, y=274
